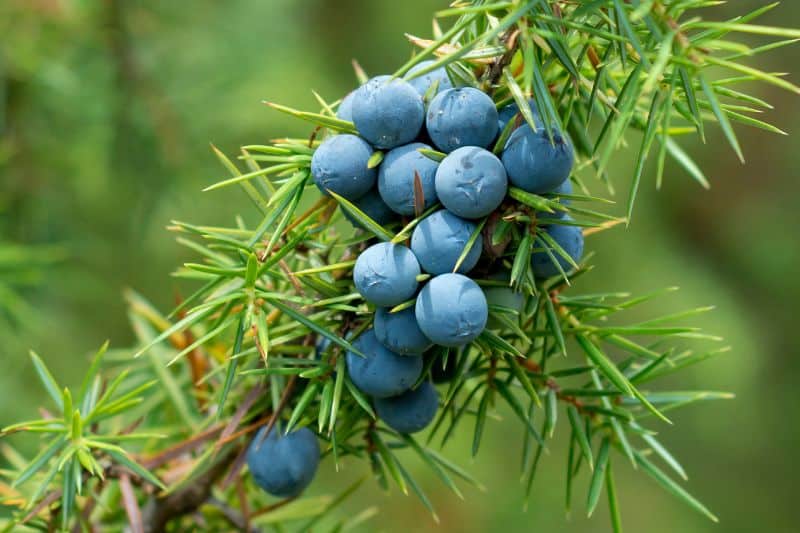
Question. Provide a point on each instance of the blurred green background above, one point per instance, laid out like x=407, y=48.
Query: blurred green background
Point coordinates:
x=106, y=112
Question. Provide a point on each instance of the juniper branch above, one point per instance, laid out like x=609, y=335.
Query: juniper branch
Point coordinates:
x=271, y=286
x=160, y=510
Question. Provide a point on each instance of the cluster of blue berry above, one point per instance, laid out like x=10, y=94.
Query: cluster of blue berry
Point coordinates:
x=471, y=183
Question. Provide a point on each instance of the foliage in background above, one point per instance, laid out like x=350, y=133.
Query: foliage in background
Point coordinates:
x=247, y=284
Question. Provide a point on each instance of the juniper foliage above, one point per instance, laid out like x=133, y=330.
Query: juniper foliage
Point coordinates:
x=154, y=436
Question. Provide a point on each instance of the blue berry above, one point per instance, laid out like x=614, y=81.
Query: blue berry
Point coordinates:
x=374, y=207
x=564, y=188
x=388, y=112
x=439, y=240
x=533, y=163
x=283, y=465
x=385, y=274
x=410, y=412
x=471, y=182
x=396, y=178
x=461, y=117
x=424, y=82
x=504, y=114
x=345, y=110
x=340, y=165
x=451, y=310
x=505, y=297
x=510, y=111
x=321, y=346
x=400, y=332
x=381, y=372
x=570, y=238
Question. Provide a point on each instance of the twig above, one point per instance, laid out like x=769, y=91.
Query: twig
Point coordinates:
x=161, y=510
x=292, y=278
x=236, y=466
x=130, y=504
x=47, y=500
x=241, y=493
x=233, y=516
x=271, y=507
x=287, y=393
x=247, y=403
x=510, y=41
x=181, y=448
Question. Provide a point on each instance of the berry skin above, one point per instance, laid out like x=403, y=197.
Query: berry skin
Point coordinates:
x=424, y=82
x=461, y=117
x=340, y=165
x=504, y=297
x=503, y=115
x=410, y=412
x=385, y=274
x=510, y=111
x=374, y=207
x=399, y=332
x=284, y=465
x=451, y=310
x=439, y=240
x=533, y=163
x=345, y=110
x=564, y=188
x=381, y=373
x=471, y=182
x=388, y=112
x=570, y=238
x=396, y=178
x=322, y=345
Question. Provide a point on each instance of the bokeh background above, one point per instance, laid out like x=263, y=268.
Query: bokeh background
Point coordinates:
x=107, y=109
